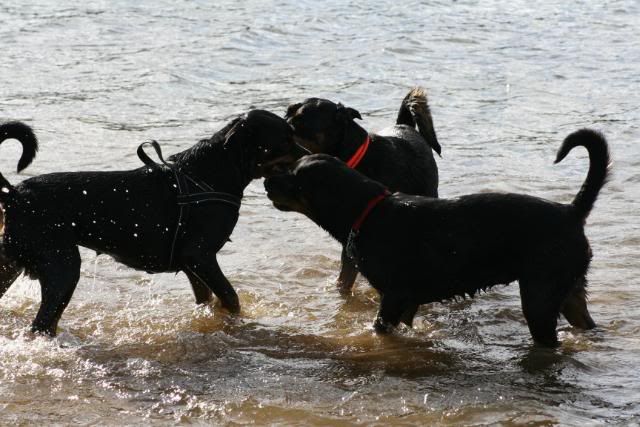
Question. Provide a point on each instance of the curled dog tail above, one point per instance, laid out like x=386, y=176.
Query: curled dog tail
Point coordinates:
x=599, y=162
x=414, y=110
x=24, y=134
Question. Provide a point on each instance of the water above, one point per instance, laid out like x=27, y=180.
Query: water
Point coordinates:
x=507, y=81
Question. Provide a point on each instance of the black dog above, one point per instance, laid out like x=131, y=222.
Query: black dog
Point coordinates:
x=416, y=250
x=399, y=157
x=165, y=218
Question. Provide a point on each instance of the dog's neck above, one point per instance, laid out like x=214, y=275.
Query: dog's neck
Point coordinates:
x=353, y=138
x=339, y=217
x=218, y=166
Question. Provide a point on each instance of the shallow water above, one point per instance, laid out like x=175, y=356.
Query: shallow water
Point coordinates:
x=507, y=81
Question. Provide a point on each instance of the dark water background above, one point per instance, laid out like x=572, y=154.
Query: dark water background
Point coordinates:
x=507, y=81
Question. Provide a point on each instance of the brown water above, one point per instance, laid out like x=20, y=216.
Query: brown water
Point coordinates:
x=507, y=80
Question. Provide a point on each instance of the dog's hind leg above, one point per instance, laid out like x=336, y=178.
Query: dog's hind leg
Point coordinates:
x=200, y=289
x=348, y=274
x=575, y=308
x=58, y=277
x=541, y=307
x=9, y=272
x=208, y=272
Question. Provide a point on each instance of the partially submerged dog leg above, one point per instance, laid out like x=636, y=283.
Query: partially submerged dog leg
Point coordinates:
x=348, y=274
x=58, y=276
x=208, y=272
x=409, y=314
x=390, y=313
x=541, y=307
x=200, y=290
x=575, y=308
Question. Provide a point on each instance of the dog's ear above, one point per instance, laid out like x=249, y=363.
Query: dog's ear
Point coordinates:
x=291, y=110
x=348, y=112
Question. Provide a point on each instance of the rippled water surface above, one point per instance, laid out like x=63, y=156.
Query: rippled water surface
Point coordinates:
x=507, y=81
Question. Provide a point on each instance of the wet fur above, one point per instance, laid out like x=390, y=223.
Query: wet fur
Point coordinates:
x=416, y=250
x=400, y=156
x=132, y=215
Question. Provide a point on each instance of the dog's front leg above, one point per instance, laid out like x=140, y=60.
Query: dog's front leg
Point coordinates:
x=58, y=275
x=348, y=273
x=207, y=272
x=391, y=311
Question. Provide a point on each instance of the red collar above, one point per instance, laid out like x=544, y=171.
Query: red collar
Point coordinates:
x=359, y=154
x=365, y=213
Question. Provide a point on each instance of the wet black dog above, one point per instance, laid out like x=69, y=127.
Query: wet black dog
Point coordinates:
x=399, y=157
x=167, y=218
x=416, y=250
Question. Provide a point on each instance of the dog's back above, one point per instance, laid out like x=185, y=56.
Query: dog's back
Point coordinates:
x=402, y=161
x=403, y=155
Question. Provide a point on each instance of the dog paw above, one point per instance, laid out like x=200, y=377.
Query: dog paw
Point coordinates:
x=382, y=327
x=345, y=289
x=232, y=305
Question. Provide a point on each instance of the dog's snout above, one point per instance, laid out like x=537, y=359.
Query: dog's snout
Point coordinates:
x=268, y=183
x=273, y=183
x=280, y=184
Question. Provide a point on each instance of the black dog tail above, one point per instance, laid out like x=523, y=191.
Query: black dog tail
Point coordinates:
x=599, y=163
x=24, y=134
x=414, y=110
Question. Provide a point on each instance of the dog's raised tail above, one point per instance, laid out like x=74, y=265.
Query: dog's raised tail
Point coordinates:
x=24, y=134
x=414, y=111
x=599, y=163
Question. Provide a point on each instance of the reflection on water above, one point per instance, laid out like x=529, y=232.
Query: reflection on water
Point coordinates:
x=507, y=82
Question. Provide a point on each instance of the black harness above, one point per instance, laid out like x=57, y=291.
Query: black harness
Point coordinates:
x=190, y=192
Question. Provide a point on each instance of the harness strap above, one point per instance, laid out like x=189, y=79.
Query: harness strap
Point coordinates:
x=195, y=198
x=146, y=159
x=184, y=198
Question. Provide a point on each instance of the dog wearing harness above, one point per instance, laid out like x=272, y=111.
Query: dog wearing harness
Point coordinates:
x=185, y=197
x=168, y=217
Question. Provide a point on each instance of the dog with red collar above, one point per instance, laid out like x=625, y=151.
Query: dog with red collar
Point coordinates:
x=416, y=250
x=400, y=156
